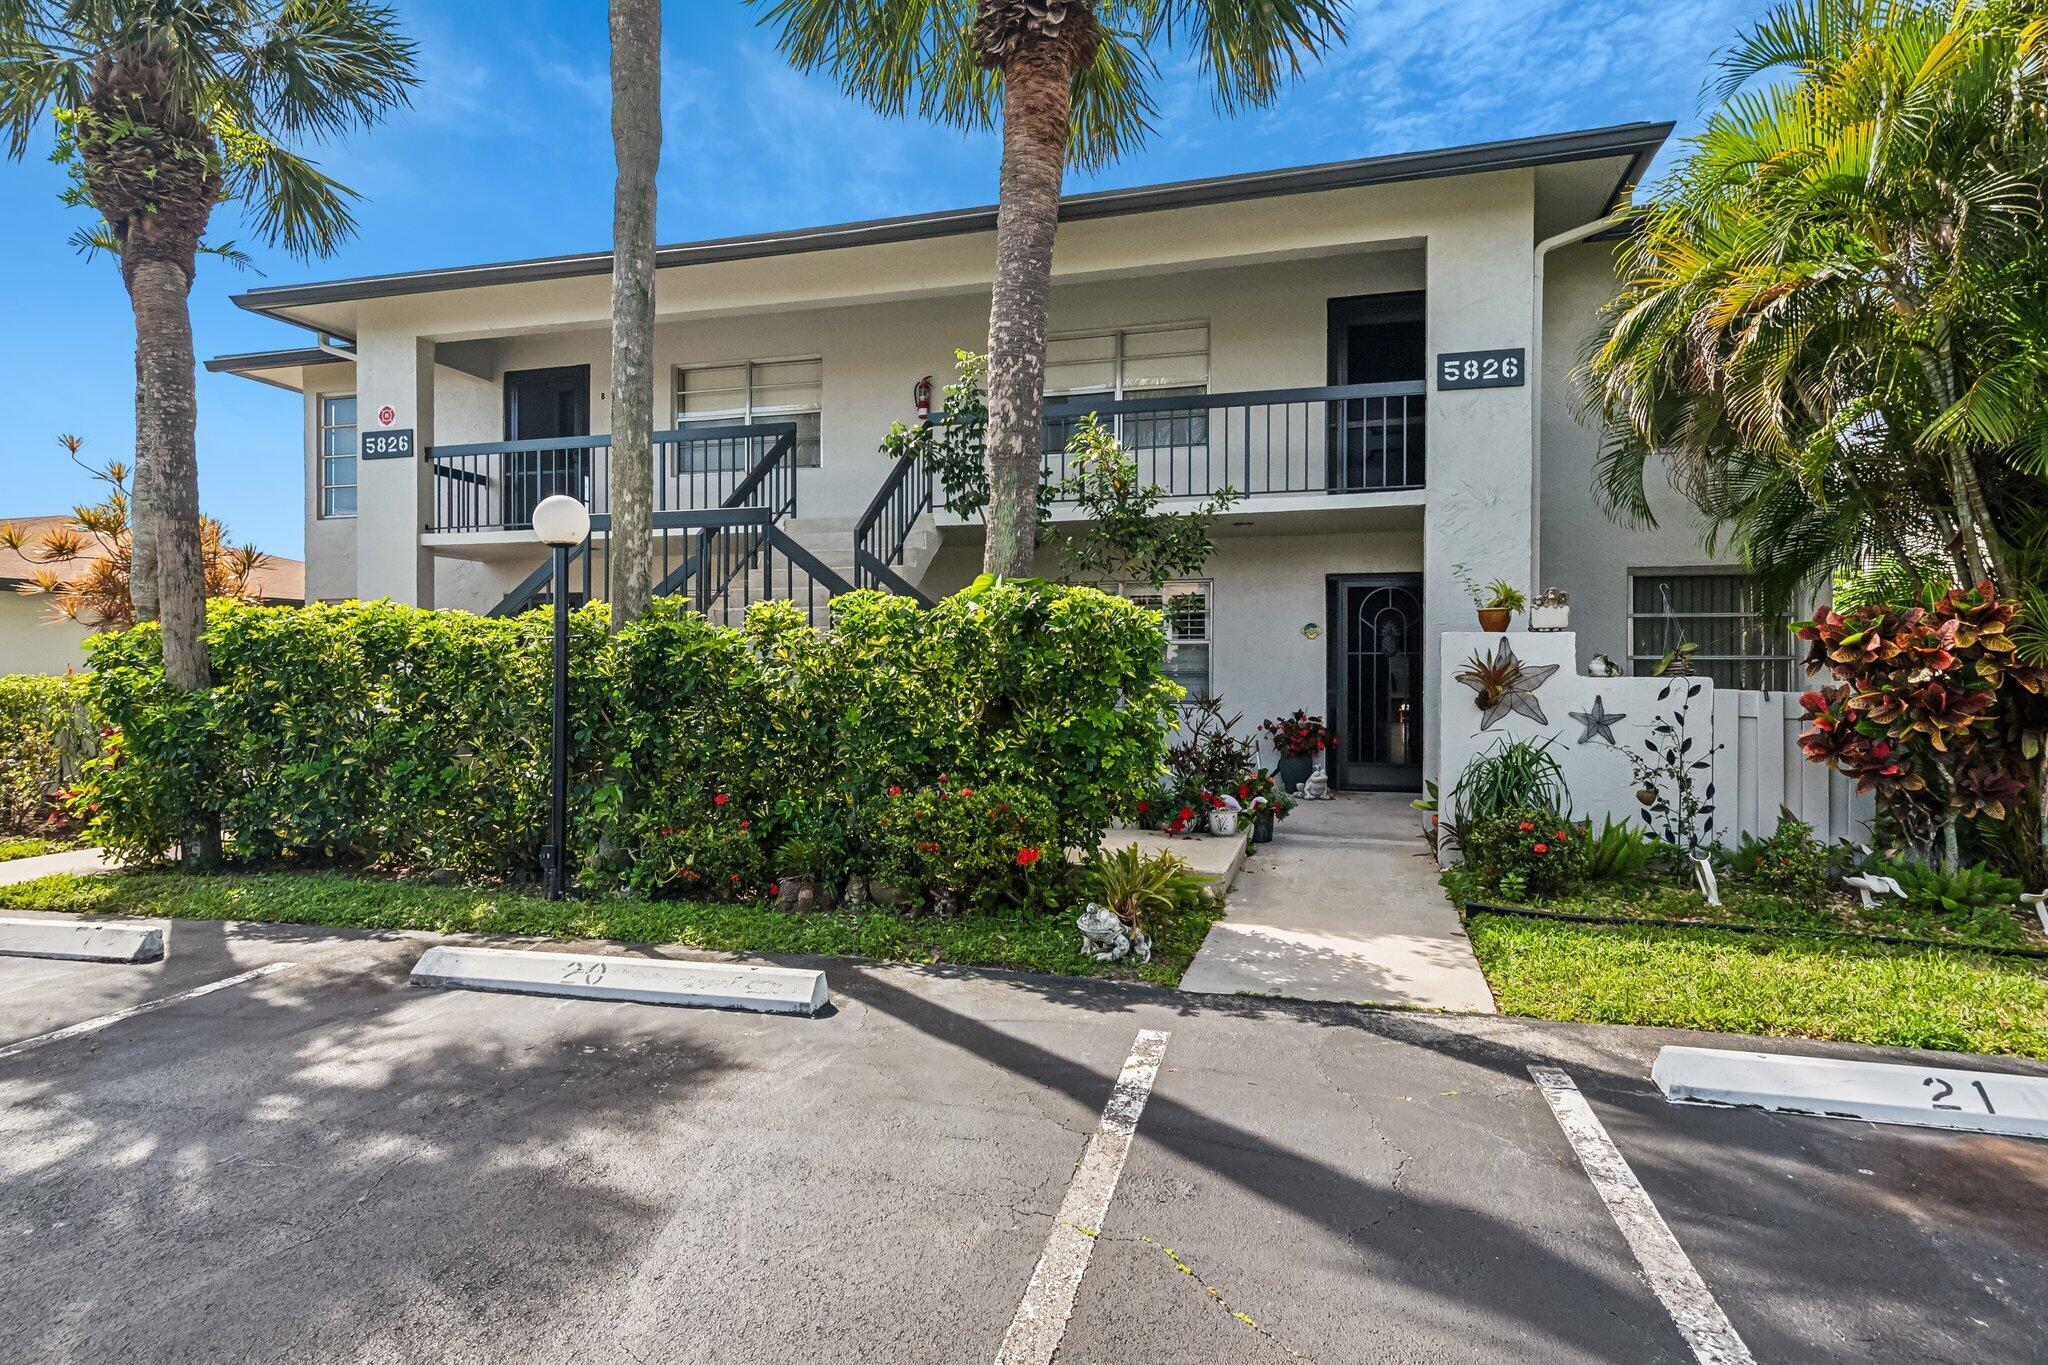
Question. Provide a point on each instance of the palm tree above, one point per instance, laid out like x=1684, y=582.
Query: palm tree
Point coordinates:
x=636, y=146
x=164, y=109
x=1070, y=82
x=1835, y=318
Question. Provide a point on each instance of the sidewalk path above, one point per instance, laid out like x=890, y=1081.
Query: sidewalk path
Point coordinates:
x=1343, y=906
x=50, y=864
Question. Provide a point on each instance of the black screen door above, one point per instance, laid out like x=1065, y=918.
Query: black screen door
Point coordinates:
x=1376, y=681
x=544, y=405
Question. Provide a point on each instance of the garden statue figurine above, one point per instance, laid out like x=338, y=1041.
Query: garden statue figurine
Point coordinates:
x=1106, y=938
x=1869, y=887
x=1703, y=874
x=1317, y=788
x=2035, y=898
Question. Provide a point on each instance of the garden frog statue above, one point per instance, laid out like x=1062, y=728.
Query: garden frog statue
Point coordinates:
x=1108, y=939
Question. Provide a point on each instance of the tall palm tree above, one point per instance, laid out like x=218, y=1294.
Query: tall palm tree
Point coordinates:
x=1070, y=82
x=636, y=148
x=1835, y=319
x=164, y=109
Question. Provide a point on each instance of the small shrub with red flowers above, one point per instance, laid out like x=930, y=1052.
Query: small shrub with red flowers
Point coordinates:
x=964, y=847
x=1791, y=863
x=1525, y=852
x=720, y=855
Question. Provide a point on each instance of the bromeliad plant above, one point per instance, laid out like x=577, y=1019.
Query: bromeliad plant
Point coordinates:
x=1932, y=710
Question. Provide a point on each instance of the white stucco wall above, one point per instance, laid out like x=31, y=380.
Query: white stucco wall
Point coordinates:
x=31, y=642
x=1584, y=551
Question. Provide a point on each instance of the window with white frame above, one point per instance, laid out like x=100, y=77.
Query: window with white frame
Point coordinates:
x=755, y=391
x=1186, y=611
x=1715, y=611
x=1169, y=361
x=338, y=455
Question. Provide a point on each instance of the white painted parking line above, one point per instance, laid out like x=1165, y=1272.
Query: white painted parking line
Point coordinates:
x=108, y=1020
x=1843, y=1088
x=1041, y=1319
x=1669, y=1270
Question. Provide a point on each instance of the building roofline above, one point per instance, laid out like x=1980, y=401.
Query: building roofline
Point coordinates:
x=1637, y=141
x=244, y=361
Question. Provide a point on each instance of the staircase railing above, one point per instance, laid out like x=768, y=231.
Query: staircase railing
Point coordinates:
x=883, y=531
x=694, y=466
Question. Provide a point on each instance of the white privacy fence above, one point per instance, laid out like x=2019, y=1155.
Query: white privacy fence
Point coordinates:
x=1759, y=770
x=1749, y=739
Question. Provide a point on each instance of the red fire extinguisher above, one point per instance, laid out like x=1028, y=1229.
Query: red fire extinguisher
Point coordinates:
x=921, y=393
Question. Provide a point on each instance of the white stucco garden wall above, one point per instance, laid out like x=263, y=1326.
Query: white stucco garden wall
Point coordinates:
x=31, y=642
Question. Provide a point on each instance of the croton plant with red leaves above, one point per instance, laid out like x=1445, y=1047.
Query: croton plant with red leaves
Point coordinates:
x=1931, y=704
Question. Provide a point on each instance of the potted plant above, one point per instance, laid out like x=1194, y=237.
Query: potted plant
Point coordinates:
x=1223, y=813
x=1260, y=794
x=1297, y=739
x=1496, y=602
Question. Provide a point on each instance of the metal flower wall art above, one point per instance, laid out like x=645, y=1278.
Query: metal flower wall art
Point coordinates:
x=1503, y=684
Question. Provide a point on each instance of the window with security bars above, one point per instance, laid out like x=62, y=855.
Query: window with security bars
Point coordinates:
x=1136, y=362
x=755, y=391
x=1185, y=613
x=338, y=455
x=1736, y=644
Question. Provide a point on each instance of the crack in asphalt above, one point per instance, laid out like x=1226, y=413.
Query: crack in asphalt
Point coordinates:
x=1216, y=1297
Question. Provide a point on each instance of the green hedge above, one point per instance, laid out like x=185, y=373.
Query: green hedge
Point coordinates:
x=396, y=736
x=45, y=736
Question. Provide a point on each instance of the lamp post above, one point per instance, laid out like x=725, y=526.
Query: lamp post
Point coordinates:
x=561, y=523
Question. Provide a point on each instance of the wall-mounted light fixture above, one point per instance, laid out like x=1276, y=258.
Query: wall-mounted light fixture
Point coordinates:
x=1311, y=631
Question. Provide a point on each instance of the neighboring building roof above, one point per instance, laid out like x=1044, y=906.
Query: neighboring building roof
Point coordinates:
x=1633, y=144
x=279, y=580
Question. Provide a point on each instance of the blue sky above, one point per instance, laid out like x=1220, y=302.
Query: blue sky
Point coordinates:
x=514, y=97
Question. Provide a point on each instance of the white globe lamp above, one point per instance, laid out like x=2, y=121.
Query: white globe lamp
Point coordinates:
x=561, y=521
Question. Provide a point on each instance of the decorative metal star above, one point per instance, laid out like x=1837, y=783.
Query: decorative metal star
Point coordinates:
x=1510, y=688
x=1598, y=721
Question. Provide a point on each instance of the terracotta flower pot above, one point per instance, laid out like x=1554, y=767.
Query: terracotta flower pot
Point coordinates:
x=1495, y=619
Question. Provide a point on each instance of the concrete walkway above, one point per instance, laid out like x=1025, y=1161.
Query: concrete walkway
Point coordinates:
x=50, y=864
x=1343, y=906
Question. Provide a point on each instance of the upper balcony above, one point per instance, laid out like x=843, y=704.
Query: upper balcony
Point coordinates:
x=1338, y=439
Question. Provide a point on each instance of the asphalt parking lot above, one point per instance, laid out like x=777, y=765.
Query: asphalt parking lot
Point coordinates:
x=319, y=1162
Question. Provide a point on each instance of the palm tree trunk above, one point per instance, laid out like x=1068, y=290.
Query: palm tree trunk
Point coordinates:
x=636, y=147
x=1980, y=536
x=1037, y=101
x=166, y=512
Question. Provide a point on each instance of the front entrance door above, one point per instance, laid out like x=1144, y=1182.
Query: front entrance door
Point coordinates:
x=544, y=405
x=1376, y=681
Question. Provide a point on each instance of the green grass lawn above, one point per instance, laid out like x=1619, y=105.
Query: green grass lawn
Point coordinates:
x=1034, y=943
x=12, y=848
x=1766, y=983
x=1666, y=898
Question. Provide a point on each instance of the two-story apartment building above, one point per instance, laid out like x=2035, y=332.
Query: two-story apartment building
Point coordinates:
x=1374, y=353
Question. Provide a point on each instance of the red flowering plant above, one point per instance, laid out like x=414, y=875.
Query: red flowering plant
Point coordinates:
x=968, y=847
x=1300, y=735
x=1525, y=851
x=714, y=853
x=1931, y=709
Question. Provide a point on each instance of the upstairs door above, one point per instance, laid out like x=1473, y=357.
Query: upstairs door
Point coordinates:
x=547, y=405
x=1376, y=681
x=1376, y=442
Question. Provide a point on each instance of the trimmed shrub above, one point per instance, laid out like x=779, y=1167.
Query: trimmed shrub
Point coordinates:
x=45, y=737
x=968, y=847
x=1525, y=852
x=404, y=737
x=1791, y=863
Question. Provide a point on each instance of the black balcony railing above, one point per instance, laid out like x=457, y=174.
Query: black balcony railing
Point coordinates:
x=495, y=485
x=1352, y=438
